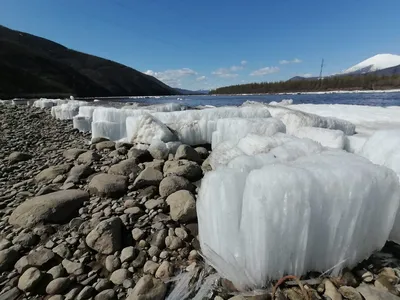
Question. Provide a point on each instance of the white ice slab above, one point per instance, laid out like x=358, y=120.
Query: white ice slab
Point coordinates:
x=367, y=119
x=236, y=128
x=311, y=214
x=326, y=137
x=145, y=128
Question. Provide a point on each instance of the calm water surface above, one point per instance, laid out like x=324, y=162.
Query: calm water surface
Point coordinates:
x=373, y=99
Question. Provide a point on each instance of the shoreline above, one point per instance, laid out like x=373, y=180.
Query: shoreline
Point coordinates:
x=83, y=252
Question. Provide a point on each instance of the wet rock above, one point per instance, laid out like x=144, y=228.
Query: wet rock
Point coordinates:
x=137, y=234
x=99, y=139
x=58, y=286
x=125, y=167
x=173, y=183
x=350, y=293
x=158, y=238
x=73, y=268
x=16, y=157
x=85, y=293
x=148, y=177
x=78, y=172
x=118, y=276
x=203, y=152
x=331, y=291
x=102, y=285
x=58, y=207
x=106, y=238
x=383, y=283
x=173, y=242
x=139, y=155
x=49, y=174
x=127, y=254
x=164, y=271
x=107, y=185
x=369, y=292
x=8, y=257
x=88, y=157
x=140, y=260
x=150, y=267
x=29, y=279
x=187, y=152
x=37, y=258
x=12, y=294
x=148, y=288
x=109, y=294
x=105, y=145
x=182, y=206
x=112, y=263
x=73, y=153
x=185, y=168
x=26, y=240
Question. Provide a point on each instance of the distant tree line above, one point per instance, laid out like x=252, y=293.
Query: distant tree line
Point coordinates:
x=361, y=82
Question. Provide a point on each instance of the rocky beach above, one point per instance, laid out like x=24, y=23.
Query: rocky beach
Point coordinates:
x=103, y=220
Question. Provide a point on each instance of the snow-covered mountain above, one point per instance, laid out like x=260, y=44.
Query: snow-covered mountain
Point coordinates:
x=374, y=63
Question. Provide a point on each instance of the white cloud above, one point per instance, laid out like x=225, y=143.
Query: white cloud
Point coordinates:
x=225, y=73
x=172, y=77
x=264, y=71
x=201, y=78
x=294, y=61
x=230, y=72
x=307, y=75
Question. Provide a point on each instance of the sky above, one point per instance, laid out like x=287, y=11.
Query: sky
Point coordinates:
x=207, y=44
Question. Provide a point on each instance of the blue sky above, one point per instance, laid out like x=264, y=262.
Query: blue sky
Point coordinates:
x=205, y=44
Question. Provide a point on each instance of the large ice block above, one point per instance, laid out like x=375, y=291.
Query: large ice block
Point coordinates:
x=321, y=211
x=236, y=128
x=145, y=128
x=281, y=147
x=195, y=127
x=294, y=119
x=367, y=119
x=326, y=137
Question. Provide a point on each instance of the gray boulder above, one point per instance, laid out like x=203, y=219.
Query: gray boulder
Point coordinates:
x=139, y=155
x=88, y=157
x=78, y=172
x=105, y=145
x=148, y=177
x=148, y=288
x=52, y=172
x=185, y=168
x=187, y=152
x=8, y=257
x=15, y=157
x=72, y=154
x=29, y=279
x=173, y=183
x=37, y=258
x=107, y=185
x=109, y=294
x=58, y=208
x=203, y=152
x=182, y=206
x=125, y=167
x=106, y=238
x=99, y=139
x=158, y=150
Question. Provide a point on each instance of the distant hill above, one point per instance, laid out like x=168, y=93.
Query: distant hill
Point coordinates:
x=189, y=92
x=379, y=65
x=32, y=66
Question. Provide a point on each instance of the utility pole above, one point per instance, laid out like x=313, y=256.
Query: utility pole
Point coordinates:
x=320, y=72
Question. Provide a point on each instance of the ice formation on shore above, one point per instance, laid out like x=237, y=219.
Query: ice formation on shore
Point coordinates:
x=235, y=128
x=278, y=201
x=292, y=217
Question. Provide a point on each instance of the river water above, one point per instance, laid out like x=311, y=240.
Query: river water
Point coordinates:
x=372, y=99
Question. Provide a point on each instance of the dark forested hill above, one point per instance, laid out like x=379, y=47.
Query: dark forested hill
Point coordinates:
x=31, y=66
x=370, y=81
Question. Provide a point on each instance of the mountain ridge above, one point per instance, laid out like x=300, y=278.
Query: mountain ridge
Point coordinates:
x=33, y=66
